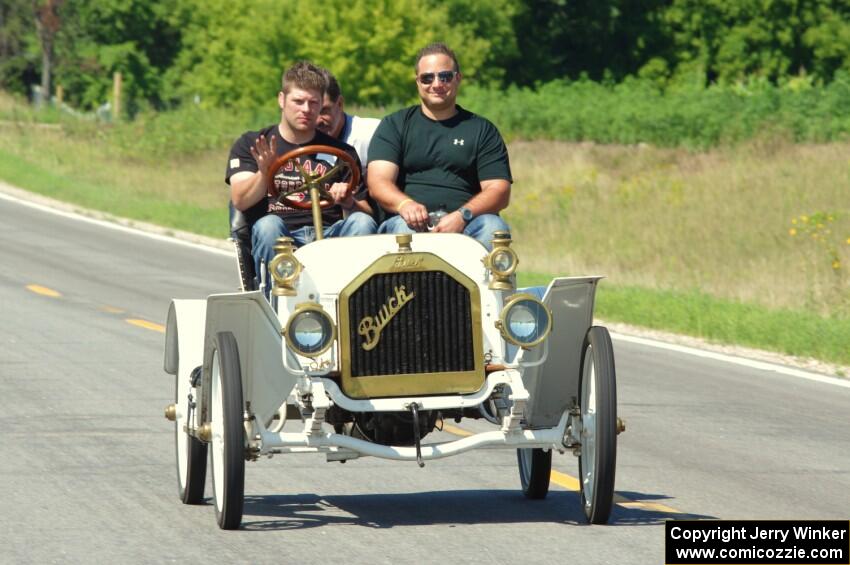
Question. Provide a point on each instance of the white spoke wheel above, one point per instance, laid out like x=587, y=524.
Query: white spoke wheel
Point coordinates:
x=227, y=445
x=191, y=453
x=598, y=458
x=535, y=469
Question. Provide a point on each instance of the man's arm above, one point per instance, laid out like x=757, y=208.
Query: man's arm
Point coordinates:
x=382, y=187
x=494, y=196
x=246, y=189
x=346, y=199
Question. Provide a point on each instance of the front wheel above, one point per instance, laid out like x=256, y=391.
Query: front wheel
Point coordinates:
x=227, y=453
x=535, y=470
x=598, y=456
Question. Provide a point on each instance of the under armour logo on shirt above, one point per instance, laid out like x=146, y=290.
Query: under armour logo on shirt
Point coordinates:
x=458, y=142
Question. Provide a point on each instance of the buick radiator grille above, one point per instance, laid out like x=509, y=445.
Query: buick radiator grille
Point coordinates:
x=431, y=332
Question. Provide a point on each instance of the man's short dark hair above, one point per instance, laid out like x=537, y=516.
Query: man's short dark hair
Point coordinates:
x=436, y=49
x=304, y=75
x=332, y=86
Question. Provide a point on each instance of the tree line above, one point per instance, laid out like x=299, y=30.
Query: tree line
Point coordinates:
x=230, y=53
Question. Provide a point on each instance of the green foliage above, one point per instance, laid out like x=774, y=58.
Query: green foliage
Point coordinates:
x=637, y=110
x=374, y=63
x=232, y=53
x=772, y=39
x=223, y=65
x=100, y=37
x=17, y=45
x=576, y=38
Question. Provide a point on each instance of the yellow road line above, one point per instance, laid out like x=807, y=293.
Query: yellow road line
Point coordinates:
x=111, y=310
x=566, y=481
x=43, y=290
x=146, y=324
x=571, y=483
x=455, y=430
x=653, y=506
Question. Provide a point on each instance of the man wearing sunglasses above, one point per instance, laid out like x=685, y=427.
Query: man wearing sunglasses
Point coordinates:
x=437, y=157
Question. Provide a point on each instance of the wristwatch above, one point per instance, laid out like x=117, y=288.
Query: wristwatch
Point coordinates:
x=465, y=213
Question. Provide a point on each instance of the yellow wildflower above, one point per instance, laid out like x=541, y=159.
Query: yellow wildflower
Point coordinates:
x=792, y=232
x=836, y=264
x=794, y=221
x=804, y=219
x=848, y=241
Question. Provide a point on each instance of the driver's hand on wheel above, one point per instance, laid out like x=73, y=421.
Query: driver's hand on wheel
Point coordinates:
x=342, y=194
x=415, y=214
x=264, y=153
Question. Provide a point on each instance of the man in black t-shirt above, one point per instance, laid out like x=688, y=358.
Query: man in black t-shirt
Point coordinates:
x=438, y=156
x=300, y=99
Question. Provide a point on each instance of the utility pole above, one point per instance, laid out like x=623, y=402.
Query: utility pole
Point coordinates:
x=116, y=96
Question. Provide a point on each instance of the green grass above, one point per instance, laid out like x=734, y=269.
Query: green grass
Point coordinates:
x=655, y=221
x=721, y=321
x=109, y=198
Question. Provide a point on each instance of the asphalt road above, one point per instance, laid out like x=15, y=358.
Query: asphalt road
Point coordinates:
x=87, y=463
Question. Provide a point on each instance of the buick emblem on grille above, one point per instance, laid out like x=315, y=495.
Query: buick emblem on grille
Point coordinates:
x=370, y=327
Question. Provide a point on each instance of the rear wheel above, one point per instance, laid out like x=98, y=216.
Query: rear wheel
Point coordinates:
x=598, y=456
x=535, y=469
x=227, y=453
x=191, y=453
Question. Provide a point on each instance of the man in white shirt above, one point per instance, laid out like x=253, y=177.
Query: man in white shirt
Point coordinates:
x=333, y=120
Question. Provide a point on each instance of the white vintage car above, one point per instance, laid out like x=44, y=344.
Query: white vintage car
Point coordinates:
x=367, y=344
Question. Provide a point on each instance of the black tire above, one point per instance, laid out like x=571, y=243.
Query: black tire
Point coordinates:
x=535, y=470
x=190, y=452
x=227, y=452
x=598, y=460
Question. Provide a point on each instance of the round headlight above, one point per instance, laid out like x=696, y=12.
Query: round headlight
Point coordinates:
x=310, y=331
x=503, y=261
x=525, y=321
x=284, y=268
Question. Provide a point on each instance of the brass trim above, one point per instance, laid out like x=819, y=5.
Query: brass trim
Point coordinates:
x=300, y=309
x=457, y=382
x=204, y=433
x=403, y=240
x=284, y=286
x=370, y=327
x=171, y=412
x=491, y=262
x=316, y=209
x=501, y=280
x=502, y=323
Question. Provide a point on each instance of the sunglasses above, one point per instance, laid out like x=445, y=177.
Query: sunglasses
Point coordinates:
x=442, y=76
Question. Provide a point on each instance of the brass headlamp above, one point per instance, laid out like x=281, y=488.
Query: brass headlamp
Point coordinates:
x=310, y=330
x=502, y=262
x=284, y=268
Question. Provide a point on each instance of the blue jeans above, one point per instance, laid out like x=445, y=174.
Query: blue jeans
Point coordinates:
x=480, y=227
x=267, y=229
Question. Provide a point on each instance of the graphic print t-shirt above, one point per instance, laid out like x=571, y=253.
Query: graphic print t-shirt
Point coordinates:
x=288, y=177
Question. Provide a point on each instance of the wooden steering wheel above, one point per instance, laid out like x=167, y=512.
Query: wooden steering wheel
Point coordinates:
x=313, y=182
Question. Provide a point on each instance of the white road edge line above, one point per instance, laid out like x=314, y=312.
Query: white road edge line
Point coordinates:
x=769, y=367
x=751, y=363
x=116, y=226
